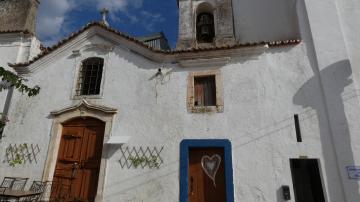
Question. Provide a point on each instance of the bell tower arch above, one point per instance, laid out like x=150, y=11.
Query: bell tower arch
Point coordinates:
x=205, y=23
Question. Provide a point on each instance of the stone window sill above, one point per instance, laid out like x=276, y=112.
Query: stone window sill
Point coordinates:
x=80, y=97
x=207, y=109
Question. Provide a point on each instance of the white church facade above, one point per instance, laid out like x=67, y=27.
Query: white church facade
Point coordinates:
x=258, y=102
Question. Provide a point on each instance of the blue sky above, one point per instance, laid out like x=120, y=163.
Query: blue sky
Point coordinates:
x=58, y=18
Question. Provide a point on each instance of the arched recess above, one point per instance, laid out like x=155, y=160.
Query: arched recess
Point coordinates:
x=82, y=110
x=205, y=22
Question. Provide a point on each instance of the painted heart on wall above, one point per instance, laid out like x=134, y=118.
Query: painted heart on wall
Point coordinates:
x=211, y=165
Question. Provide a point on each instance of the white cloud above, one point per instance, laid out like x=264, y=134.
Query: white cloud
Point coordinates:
x=51, y=17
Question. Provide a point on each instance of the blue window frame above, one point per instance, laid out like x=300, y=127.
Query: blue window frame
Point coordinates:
x=185, y=145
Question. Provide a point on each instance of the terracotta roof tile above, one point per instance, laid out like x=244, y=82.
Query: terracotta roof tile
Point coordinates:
x=48, y=50
x=15, y=31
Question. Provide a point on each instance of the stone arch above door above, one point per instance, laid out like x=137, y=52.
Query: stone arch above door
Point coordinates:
x=83, y=109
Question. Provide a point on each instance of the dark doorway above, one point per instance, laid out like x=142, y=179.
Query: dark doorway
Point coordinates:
x=306, y=180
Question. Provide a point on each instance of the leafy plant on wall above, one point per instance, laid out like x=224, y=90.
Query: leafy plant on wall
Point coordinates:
x=141, y=157
x=16, y=161
x=17, y=153
x=151, y=162
x=9, y=79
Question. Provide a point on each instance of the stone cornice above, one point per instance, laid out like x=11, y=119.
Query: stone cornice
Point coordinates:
x=85, y=105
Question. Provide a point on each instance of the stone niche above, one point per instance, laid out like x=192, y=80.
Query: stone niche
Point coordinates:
x=223, y=22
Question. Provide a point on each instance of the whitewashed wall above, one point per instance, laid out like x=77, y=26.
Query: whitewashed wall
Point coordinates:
x=260, y=97
x=315, y=79
x=349, y=11
x=339, y=79
x=9, y=47
x=265, y=20
x=15, y=48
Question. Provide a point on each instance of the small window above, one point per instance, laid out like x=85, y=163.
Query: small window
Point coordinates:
x=89, y=81
x=205, y=30
x=297, y=128
x=205, y=91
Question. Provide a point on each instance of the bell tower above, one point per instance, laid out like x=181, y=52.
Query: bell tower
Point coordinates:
x=17, y=31
x=205, y=23
x=18, y=15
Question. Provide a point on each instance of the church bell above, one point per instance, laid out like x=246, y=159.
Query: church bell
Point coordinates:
x=205, y=31
x=205, y=27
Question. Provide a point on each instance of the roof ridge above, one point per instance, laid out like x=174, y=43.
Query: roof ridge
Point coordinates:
x=24, y=31
x=48, y=50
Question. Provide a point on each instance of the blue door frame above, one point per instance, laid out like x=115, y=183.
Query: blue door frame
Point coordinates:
x=185, y=145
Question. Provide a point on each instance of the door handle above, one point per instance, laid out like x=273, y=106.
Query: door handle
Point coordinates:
x=74, y=169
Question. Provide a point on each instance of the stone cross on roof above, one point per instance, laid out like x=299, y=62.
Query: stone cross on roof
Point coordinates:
x=104, y=12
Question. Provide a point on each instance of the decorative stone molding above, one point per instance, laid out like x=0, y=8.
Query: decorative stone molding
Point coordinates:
x=103, y=47
x=82, y=109
x=205, y=62
x=250, y=51
x=93, y=50
x=82, y=106
x=224, y=41
x=219, y=93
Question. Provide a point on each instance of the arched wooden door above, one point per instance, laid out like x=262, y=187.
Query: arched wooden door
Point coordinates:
x=78, y=163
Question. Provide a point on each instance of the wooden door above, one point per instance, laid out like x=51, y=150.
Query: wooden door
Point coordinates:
x=201, y=188
x=205, y=91
x=78, y=163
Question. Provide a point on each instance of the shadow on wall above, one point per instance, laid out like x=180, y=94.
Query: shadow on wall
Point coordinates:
x=332, y=123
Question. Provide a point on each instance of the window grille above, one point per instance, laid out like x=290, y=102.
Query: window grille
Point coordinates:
x=90, y=74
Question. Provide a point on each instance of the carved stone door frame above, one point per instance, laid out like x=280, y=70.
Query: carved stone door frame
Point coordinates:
x=83, y=109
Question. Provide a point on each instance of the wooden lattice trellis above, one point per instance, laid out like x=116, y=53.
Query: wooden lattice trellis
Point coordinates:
x=141, y=157
x=26, y=153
